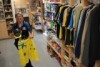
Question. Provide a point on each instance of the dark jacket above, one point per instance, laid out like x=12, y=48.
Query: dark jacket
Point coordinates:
x=94, y=51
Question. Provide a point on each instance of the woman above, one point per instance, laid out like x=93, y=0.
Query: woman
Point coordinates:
x=26, y=31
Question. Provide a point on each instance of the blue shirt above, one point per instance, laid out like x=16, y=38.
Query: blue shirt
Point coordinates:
x=25, y=29
x=25, y=26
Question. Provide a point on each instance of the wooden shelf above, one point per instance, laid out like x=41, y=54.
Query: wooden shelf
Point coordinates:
x=66, y=50
x=11, y=23
x=66, y=58
x=1, y=10
x=53, y=2
x=2, y=20
x=54, y=49
x=3, y=30
x=1, y=7
x=10, y=18
x=8, y=15
x=8, y=11
x=48, y=19
x=68, y=61
x=7, y=4
x=50, y=11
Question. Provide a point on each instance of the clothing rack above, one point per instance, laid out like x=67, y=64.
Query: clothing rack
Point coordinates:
x=67, y=61
x=84, y=4
x=69, y=49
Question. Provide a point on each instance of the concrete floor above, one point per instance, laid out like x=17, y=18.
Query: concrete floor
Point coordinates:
x=9, y=54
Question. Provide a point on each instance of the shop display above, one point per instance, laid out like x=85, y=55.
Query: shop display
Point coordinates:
x=50, y=51
x=1, y=15
x=8, y=14
x=73, y=30
x=70, y=23
x=7, y=2
x=49, y=11
x=36, y=17
x=8, y=9
x=38, y=26
x=1, y=10
x=34, y=4
x=37, y=21
x=51, y=0
x=24, y=11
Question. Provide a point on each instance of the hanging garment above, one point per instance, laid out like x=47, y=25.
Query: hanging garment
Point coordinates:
x=61, y=14
x=60, y=33
x=59, y=18
x=67, y=40
x=62, y=8
x=27, y=50
x=57, y=13
x=58, y=29
x=91, y=39
x=70, y=26
x=69, y=37
x=66, y=16
x=84, y=56
x=69, y=16
x=63, y=33
x=56, y=20
x=69, y=31
x=76, y=16
x=65, y=21
x=94, y=47
x=80, y=30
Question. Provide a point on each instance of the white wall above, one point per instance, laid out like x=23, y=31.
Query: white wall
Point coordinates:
x=21, y=3
x=13, y=10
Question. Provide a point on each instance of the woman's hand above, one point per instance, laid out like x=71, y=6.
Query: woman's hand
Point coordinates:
x=31, y=34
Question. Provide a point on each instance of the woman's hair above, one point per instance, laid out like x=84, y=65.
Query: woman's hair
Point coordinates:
x=16, y=15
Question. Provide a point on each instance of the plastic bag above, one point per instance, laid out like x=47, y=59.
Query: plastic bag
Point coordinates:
x=27, y=51
x=33, y=53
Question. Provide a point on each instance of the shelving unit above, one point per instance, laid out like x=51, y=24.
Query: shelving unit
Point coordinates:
x=49, y=11
x=66, y=49
x=7, y=4
x=3, y=27
x=53, y=2
x=37, y=21
x=50, y=44
x=66, y=58
x=8, y=11
x=36, y=14
x=1, y=10
x=66, y=54
x=8, y=14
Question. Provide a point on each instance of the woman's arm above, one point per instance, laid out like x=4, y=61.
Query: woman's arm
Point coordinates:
x=31, y=34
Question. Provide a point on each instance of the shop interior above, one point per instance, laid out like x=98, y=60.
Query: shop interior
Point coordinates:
x=66, y=32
